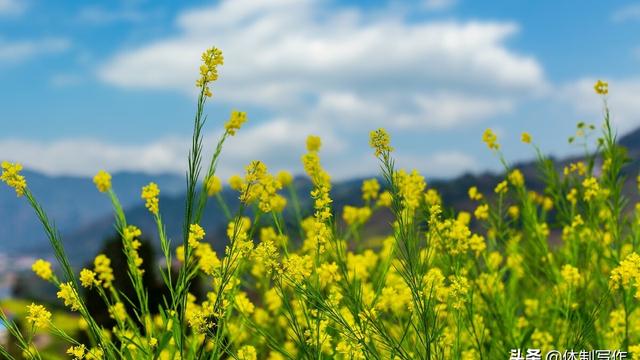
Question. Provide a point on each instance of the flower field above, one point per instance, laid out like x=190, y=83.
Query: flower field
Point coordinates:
x=526, y=271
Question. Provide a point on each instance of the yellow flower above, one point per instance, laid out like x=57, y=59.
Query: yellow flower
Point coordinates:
x=370, y=189
x=627, y=273
x=213, y=185
x=601, y=87
x=235, y=122
x=313, y=143
x=102, y=181
x=69, y=295
x=411, y=187
x=513, y=211
x=150, y=193
x=459, y=291
x=285, y=178
x=42, y=268
x=591, y=188
x=196, y=233
x=474, y=194
x=236, y=182
x=526, y=138
x=102, y=266
x=385, y=200
x=490, y=138
x=516, y=178
x=297, y=267
x=211, y=59
x=38, y=316
x=571, y=275
x=572, y=196
x=11, y=176
x=353, y=215
x=118, y=312
x=380, y=141
x=247, y=352
x=78, y=352
x=180, y=253
x=501, y=188
x=243, y=304
x=482, y=212
x=88, y=278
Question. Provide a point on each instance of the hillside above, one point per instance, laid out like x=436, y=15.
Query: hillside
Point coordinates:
x=85, y=220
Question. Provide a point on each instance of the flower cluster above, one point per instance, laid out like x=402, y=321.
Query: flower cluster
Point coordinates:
x=102, y=181
x=211, y=59
x=235, y=122
x=11, y=176
x=150, y=194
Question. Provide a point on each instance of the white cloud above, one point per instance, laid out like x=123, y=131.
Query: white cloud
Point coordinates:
x=623, y=101
x=12, y=7
x=339, y=64
x=272, y=142
x=279, y=143
x=12, y=51
x=629, y=12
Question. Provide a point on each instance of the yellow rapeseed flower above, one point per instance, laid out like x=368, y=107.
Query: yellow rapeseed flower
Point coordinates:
x=236, y=182
x=102, y=181
x=38, y=316
x=196, y=233
x=627, y=273
x=591, y=188
x=247, y=352
x=385, y=200
x=285, y=178
x=211, y=59
x=526, y=138
x=118, y=312
x=42, y=268
x=213, y=185
x=380, y=141
x=570, y=275
x=235, y=122
x=516, y=178
x=601, y=87
x=474, y=194
x=102, y=266
x=490, y=138
x=88, y=278
x=11, y=176
x=313, y=143
x=69, y=295
x=150, y=193
x=370, y=189
x=78, y=352
x=501, y=188
x=482, y=212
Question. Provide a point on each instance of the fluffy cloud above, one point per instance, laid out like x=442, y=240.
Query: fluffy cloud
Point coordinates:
x=339, y=64
x=12, y=51
x=623, y=101
x=272, y=142
x=629, y=12
x=12, y=7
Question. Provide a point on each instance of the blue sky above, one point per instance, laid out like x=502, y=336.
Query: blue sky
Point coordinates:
x=90, y=85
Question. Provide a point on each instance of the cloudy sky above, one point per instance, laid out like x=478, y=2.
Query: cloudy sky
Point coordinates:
x=93, y=84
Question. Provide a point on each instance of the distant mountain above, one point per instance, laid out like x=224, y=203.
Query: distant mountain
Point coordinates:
x=85, y=219
x=72, y=202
